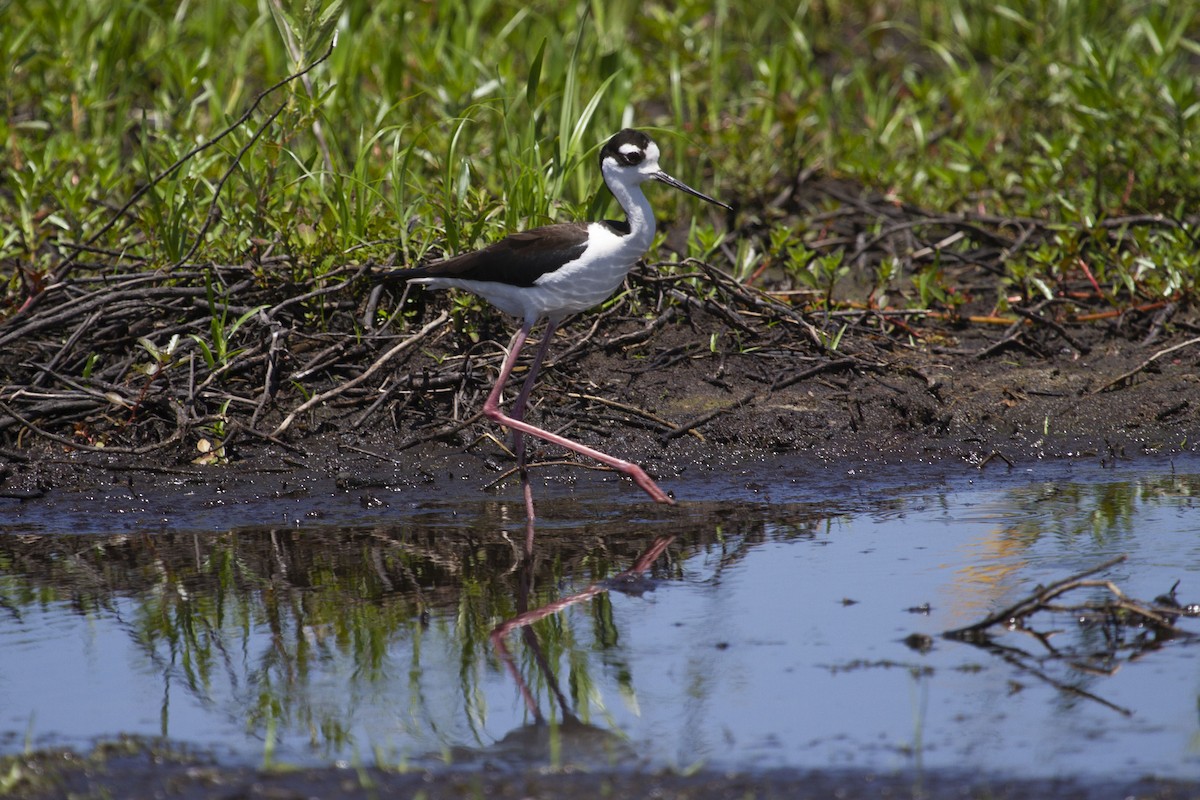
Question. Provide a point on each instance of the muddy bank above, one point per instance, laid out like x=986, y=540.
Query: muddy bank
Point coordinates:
x=268, y=366
x=136, y=769
x=685, y=394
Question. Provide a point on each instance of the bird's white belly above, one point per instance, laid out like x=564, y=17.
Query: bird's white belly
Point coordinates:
x=576, y=286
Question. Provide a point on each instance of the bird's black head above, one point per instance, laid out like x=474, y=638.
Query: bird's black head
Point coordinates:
x=631, y=157
x=628, y=147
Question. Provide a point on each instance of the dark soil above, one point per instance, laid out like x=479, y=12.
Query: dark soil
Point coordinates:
x=682, y=376
x=273, y=363
x=108, y=365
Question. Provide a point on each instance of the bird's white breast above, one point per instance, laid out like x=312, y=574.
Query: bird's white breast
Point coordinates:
x=593, y=277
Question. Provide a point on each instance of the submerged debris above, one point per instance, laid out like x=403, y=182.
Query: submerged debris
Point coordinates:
x=1129, y=628
x=1119, y=611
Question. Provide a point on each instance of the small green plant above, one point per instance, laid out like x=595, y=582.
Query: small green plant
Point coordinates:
x=832, y=341
x=161, y=358
x=934, y=291
x=705, y=240
x=886, y=273
x=465, y=312
x=89, y=365
x=217, y=351
x=819, y=271
x=746, y=259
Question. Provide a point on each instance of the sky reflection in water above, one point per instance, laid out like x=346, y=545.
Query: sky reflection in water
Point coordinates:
x=766, y=635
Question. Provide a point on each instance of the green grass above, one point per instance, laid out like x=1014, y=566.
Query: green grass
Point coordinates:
x=439, y=126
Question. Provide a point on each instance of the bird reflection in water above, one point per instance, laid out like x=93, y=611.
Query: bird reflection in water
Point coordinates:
x=570, y=738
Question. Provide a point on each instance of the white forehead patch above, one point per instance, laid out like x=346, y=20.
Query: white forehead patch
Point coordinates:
x=629, y=149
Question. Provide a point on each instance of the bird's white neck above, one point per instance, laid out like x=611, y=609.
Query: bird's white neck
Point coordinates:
x=637, y=211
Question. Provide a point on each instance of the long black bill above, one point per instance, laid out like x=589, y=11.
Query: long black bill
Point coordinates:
x=683, y=187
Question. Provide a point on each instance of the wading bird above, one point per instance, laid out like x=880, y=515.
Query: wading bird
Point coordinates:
x=557, y=270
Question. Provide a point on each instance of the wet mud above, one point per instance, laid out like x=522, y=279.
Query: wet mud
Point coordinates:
x=688, y=403
x=136, y=769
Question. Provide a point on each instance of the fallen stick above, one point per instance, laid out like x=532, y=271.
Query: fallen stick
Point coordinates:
x=1144, y=364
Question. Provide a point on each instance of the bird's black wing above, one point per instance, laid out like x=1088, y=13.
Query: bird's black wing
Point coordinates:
x=519, y=259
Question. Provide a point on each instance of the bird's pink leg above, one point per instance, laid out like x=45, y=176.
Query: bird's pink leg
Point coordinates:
x=518, y=408
x=518, y=412
x=492, y=410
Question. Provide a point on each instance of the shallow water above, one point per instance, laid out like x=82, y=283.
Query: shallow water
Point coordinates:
x=775, y=630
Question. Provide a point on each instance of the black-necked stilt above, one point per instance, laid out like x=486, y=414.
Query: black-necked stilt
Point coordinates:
x=558, y=270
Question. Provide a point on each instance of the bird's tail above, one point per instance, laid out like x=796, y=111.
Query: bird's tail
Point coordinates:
x=403, y=274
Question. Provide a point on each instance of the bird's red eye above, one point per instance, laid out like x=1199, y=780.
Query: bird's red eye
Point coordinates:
x=630, y=154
